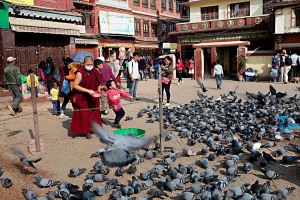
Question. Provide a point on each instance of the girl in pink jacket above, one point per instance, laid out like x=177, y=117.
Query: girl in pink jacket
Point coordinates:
x=114, y=101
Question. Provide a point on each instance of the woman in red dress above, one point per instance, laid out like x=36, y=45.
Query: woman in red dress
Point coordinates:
x=86, y=108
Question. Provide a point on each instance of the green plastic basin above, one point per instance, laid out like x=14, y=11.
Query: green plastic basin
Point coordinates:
x=137, y=132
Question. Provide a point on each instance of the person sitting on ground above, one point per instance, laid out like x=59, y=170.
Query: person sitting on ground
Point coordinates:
x=55, y=100
x=36, y=82
x=114, y=99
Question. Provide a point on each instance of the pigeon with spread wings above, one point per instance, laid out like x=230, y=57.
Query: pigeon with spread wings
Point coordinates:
x=120, y=156
x=24, y=160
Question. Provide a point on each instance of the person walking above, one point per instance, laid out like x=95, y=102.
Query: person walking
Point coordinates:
x=180, y=68
x=134, y=75
x=142, y=68
x=192, y=68
x=167, y=75
x=12, y=79
x=287, y=66
x=295, y=64
x=114, y=98
x=36, y=82
x=54, y=92
x=86, y=107
x=218, y=73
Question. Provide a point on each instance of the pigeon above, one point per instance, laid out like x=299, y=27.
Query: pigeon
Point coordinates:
x=204, y=163
x=120, y=156
x=284, y=193
x=136, y=185
x=148, y=175
x=103, y=170
x=266, y=187
x=188, y=152
x=289, y=159
x=88, y=196
x=29, y=194
x=97, y=154
x=156, y=193
x=131, y=169
x=268, y=157
x=23, y=159
x=98, y=177
x=195, y=188
x=200, y=83
x=247, y=167
x=150, y=154
x=147, y=183
x=128, y=118
x=43, y=182
x=174, y=184
x=189, y=196
x=120, y=171
x=74, y=172
x=88, y=184
x=232, y=93
x=280, y=151
x=101, y=190
x=69, y=186
x=278, y=95
x=270, y=174
x=266, y=196
x=169, y=137
x=127, y=190
x=6, y=182
x=48, y=197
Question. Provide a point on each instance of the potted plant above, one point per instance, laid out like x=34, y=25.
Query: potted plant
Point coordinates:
x=242, y=65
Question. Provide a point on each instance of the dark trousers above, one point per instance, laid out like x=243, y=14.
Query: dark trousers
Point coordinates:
x=17, y=96
x=56, y=106
x=36, y=92
x=49, y=85
x=179, y=76
x=66, y=101
x=167, y=88
x=119, y=115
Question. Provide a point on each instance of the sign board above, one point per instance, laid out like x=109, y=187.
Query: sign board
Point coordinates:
x=4, y=22
x=84, y=1
x=24, y=2
x=166, y=45
x=116, y=23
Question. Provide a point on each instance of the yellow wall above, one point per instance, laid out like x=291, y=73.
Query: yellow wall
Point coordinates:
x=256, y=8
x=262, y=64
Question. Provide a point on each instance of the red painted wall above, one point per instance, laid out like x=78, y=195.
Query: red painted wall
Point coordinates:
x=56, y=4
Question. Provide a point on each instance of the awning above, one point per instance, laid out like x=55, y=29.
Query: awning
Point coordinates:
x=41, y=26
x=86, y=41
x=126, y=45
x=289, y=45
x=221, y=44
x=146, y=45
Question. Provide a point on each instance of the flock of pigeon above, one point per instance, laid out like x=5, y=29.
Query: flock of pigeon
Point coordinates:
x=228, y=129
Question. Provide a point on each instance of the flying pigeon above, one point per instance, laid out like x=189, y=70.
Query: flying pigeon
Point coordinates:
x=23, y=159
x=120, y=156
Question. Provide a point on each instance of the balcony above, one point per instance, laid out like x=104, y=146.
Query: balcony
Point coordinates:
x=216, y=25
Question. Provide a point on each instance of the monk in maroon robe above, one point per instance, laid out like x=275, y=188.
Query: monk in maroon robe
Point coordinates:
x=86, y=107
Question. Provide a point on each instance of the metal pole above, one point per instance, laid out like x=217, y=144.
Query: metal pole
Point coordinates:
x=35, y=115
x=160, y=110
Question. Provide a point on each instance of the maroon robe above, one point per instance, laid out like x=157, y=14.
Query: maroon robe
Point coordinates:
x=86, y=108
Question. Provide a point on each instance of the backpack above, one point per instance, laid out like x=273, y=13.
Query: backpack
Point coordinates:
x=288, y=61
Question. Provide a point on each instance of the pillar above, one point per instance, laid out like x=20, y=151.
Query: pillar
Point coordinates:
x=213, y=55
x=199, y=63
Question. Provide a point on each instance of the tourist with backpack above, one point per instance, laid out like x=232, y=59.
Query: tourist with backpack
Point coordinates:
x=275, y=67
x=287, y=66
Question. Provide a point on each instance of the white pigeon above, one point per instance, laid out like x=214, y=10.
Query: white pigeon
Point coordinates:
x=256, y=146
x=120, y=156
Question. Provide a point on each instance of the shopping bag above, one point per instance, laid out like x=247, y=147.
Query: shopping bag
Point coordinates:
x=65, y=87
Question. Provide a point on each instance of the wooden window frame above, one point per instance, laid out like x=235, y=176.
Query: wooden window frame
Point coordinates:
x=172, y=25
x=136, y=3
x=242, y=12
x=146, y=28
x=186, y=14
x=154, y=29
x=171, y=5
x=178, y=7
x=295, y=17
x=209, y=13
x=266, y=9
x=145, y=3
x=137, y=27
x=163, y=4
x=153, y=4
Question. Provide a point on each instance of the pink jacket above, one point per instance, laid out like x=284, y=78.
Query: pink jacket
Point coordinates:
x=114, y=98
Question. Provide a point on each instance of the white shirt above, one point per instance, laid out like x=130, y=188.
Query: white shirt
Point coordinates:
x=218, y=69
x=294, y=58
x=116, y=68
x=133, y=68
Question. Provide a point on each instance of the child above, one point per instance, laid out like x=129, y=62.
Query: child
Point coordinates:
x=114, y=100
x=218, y=73
x=55, y=101
x=36, y=82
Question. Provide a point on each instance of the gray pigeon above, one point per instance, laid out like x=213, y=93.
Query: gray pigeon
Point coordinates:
x=6, y=182
x=98, y=177
x=189, y=196
x=23, y=159
x=195, y=188
x=88, y=184
x=147, y=183
x=270, y=174
x=127, y=190
x=88, y=196
x=120, y=156
x=101, y=190
x=120, y=171
x=284, y=193
x=97, y=154
x=44, y=182
x=74, y=172
x=29, y=194
x=136, y=185
x=157, y=193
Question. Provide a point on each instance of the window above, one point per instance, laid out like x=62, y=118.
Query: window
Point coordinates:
x=145, y=3
x=136, y=3
x=296, y=17
x=239, y=9
x=153, y=4
x=171, y=5
x=209, y=13
x=164, y=29
x=185, y=11
x=163, y=4
x=88, y=19
x=265, y=6
x=146, y=29
x=154, y=30
x=172, y=27
x=137, y=27
x=177, y=6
